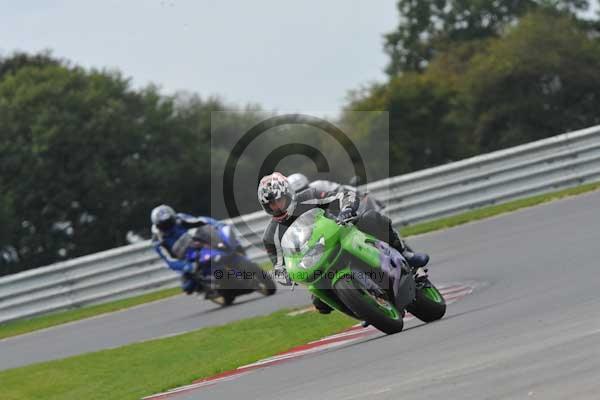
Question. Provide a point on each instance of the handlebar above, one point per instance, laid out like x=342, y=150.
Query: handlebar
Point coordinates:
x=344, y=222
x=348, y=220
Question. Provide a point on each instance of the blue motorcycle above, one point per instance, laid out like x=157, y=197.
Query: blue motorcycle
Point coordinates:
x=223, y=271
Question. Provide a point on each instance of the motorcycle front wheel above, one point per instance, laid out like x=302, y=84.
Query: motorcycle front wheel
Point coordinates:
x=372, y=306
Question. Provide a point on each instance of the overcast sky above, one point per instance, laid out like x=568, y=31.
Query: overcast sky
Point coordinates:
x=285, y=55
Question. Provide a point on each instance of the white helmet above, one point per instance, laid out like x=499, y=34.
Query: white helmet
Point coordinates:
x=298, y=182
x=163, y=217
x=276, y=196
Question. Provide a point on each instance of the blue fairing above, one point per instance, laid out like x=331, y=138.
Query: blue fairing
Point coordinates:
x=168, y=245
x=165, y=244
x=208, y=258
x=211, y=257
x=227, y=235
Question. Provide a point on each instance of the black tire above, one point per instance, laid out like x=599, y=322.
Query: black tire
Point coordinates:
x=358, y=300
x=226, y=299
x=425, y=307
x=264, y=284
x=229, y=297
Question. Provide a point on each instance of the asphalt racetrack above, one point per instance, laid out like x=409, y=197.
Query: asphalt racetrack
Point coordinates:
x=531, y=328
x=167, y=317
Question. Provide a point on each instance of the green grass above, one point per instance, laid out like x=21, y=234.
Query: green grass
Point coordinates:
x=19, y=327
x=492, y=211
x=141, y=369
x=29, y=325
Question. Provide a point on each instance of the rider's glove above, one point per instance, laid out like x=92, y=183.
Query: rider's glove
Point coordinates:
x=281, y=275
x=188, y=268
x=345, y=214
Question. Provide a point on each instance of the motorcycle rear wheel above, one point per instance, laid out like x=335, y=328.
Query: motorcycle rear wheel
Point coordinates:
x=225, y=299
x=429, y=304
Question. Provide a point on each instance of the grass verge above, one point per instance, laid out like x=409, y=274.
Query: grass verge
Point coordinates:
x=29, y=325
x=141, y=369
x=19, y=327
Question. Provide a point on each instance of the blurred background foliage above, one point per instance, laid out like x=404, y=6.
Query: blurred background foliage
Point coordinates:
x=84, y=156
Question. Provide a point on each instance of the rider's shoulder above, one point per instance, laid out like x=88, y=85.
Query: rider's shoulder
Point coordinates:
x=184, y=216
x=188, y=219
x=310, y=193
x=325, y=186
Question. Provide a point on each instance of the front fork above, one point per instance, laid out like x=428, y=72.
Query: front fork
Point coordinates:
x=328, y=297
x=324, y=291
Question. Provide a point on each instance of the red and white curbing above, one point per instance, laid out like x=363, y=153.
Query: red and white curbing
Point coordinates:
x=451, y=293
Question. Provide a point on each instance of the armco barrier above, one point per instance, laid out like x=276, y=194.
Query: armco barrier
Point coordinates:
x=551, y=164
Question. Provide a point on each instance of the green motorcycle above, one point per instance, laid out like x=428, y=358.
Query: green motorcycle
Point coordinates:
x=356, y=273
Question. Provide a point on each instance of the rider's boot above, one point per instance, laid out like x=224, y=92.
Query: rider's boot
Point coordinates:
x=414, y=259
x=321, y=307
x=188, y=284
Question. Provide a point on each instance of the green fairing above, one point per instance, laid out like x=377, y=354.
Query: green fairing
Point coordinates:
x=337, y=262
x=433, y=294
x=349, y=238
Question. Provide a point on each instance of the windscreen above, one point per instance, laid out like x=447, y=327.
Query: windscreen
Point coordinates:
x=298, y=234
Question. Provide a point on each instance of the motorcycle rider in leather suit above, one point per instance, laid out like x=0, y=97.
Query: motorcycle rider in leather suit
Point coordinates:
x=280, y=200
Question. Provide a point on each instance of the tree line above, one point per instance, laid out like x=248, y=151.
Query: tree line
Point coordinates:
x=467, y=77
x=85, y=157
